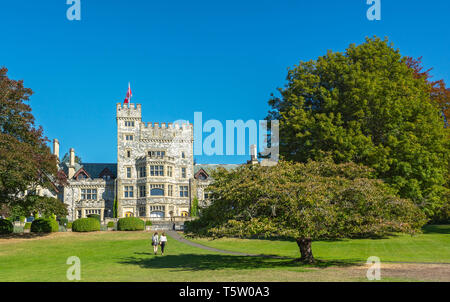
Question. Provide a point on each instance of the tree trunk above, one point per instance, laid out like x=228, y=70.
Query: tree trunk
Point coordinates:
x=304, y=245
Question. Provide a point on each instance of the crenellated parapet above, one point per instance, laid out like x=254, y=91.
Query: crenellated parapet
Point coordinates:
x=176, y=126
x=166, y=131
x=125, y=111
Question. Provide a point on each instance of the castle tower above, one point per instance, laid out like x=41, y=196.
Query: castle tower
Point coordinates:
x=154, y=166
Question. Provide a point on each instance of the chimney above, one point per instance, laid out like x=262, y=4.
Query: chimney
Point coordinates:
x=71, y=163
x=56, y=149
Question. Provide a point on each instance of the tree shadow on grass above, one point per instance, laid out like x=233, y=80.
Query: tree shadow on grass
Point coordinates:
x=198, y=262
x=436, y=229
x=23, y=235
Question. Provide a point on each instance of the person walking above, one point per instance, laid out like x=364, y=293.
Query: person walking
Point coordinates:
x=155, y=242
x=162, y=242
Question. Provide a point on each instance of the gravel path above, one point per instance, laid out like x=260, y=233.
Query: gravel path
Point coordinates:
x=181, y=239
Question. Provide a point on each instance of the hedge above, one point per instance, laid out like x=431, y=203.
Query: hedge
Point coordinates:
x=95, y=216
x=130, y=224
x=69, y=225
x=148, y=223
x=110, y=224
x=6, y=226
x=86, y=225
x=44, y=225
x=27, y=226
x=63, y=221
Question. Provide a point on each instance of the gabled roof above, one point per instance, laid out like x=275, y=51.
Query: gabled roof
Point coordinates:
x=81, y=171
x=200, y=173
x=93, y=170
x=96, y=170
x=65, y=167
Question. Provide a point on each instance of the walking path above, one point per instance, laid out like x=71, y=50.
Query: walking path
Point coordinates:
x=181, y=239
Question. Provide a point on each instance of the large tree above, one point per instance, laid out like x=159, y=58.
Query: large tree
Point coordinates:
x=26, y=162
x=439, y=93
x=368, y=106
x=306, y=202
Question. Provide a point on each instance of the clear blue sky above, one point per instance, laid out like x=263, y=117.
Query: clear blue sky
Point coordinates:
x=223, y=58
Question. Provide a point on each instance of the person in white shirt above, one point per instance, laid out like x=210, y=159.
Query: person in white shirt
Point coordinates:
x=155, y=242
x=162, y=242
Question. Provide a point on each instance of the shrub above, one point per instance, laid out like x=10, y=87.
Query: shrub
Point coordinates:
x=63, y=221
x=110, y=224
x=148, y=223
x=69, y=225
x=130, y=224
x=22, y=218
x=44, y=225
x=6, y=226
x=95, y=216
x=86, y=225
x=27, y=226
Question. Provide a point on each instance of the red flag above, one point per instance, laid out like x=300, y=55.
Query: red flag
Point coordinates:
x=129, y=95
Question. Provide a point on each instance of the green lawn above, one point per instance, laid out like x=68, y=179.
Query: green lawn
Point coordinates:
x=431, y=246
x=127, y=256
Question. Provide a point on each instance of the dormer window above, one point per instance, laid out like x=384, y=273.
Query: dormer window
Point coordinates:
x=81, y=174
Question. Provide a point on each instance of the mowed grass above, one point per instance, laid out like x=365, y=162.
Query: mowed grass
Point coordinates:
x=128, y=256
x=431, y=246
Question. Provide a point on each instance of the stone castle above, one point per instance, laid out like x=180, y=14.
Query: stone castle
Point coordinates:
x=155, y=177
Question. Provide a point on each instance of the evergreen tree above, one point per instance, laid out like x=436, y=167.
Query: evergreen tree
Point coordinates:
x=368, y=106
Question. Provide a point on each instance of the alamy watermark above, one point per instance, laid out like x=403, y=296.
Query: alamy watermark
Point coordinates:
x=374, y=11
x=374, y=271
x=74, y=271
x=211, y=137
x=74, y=11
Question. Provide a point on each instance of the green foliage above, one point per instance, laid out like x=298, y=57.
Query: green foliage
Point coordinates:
x=69, y=225
x=48, y=207
x=110, y=224
x=27, y=226
x=25, y=158
x=443, y=215
x=95, y=216
x=44, y=225
x=86, y=225
x=63, y=221
x=22, y=218
x=115, y=208
x=6, y=226
x=130, y=224
x=312, y=201
x=148, y=223
x=194, y=207
x=367, y=106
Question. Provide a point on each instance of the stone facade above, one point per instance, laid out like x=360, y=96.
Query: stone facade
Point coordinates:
x=154, y=177
x=154, y=166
